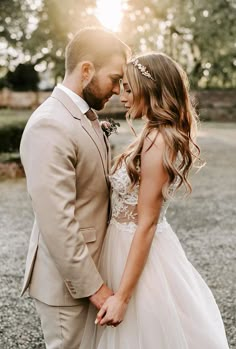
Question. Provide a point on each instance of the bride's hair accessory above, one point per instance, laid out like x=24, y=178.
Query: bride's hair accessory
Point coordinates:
x=142, y=69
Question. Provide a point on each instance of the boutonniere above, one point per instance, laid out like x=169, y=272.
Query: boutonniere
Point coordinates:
x=109, y=126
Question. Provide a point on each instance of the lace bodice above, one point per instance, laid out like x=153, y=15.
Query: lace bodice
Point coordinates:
x=124, y=201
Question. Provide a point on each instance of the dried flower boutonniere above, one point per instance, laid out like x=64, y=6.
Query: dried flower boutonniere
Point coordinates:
x=109, y=126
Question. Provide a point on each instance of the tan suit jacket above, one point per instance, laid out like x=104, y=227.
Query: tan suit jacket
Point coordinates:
x=67, y=180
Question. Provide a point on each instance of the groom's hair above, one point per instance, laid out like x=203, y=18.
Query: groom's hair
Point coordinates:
x=96, y=45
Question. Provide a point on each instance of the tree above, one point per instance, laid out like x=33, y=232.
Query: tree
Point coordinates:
x=14, y=30
x=199, y=35
x=39, y=33
x=56, y=25
x=24, y=78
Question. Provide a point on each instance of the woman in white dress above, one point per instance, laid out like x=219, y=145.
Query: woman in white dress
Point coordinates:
x=160, y=301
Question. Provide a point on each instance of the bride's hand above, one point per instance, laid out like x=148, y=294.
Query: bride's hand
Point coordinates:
x=112, y=312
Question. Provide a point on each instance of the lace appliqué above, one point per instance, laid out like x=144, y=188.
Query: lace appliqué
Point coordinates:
x=124, y=201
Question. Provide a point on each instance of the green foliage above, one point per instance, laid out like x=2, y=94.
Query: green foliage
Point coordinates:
x=4, y=83
x=24, y=78
x=12, y=124
x=10, y=136
x=14, y=15
x=57, y=24
x=14, y=30
x=200, y=35
x=16, y=117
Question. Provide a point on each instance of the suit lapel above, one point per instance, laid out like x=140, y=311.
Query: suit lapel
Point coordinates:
x=90, y=131
x=63, y=98
x=67, y=102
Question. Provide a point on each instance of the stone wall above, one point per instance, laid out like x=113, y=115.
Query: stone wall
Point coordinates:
x=212, y=105
x=22, y=100
x=216, y=105
x=11, y=170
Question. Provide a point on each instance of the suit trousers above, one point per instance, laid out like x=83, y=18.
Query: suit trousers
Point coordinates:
x=62, y=326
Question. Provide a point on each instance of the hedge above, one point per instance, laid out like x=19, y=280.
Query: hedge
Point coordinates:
x=10, y=137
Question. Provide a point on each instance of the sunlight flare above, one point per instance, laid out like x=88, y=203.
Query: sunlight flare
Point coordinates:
x=109, y=13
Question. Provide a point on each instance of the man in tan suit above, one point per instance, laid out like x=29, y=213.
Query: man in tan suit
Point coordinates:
x=66, y=160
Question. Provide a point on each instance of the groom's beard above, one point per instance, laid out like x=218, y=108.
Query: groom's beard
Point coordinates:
x=93, y=96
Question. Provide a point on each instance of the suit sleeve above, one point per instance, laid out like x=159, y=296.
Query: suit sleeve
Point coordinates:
x=49, y=158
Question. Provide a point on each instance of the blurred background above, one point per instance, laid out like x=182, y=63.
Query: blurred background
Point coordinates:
x=201, y=36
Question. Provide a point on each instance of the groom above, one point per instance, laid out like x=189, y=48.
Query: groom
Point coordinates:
x=66, y=160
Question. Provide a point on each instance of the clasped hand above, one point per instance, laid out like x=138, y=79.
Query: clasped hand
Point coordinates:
x=112, y=312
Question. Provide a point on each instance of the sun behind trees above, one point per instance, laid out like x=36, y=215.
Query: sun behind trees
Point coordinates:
x=195, y=34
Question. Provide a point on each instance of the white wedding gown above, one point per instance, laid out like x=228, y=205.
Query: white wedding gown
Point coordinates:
x=172, y=307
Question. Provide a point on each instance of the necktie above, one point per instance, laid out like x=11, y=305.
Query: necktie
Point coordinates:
x=96, y=126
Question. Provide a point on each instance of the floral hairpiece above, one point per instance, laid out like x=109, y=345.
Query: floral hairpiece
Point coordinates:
x=142, y=69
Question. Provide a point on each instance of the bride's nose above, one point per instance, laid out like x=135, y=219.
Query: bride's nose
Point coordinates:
x=123, y=99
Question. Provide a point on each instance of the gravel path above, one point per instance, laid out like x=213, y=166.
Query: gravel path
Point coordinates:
x=205, y=224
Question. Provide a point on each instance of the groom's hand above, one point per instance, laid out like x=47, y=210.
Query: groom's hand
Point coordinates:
x=99, y=298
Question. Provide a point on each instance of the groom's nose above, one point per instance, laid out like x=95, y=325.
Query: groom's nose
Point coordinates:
x=116, y=89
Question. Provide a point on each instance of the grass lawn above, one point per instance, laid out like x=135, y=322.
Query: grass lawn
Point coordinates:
x=10, y=116
x=225, y=131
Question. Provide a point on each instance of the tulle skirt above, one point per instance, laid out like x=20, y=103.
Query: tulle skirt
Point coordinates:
x=171, y=308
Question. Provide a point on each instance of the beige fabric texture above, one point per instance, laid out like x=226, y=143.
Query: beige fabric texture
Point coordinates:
x=67, y=180
x=62, y=326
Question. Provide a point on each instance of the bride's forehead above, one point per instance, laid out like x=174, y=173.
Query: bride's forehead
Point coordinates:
x=125, y=80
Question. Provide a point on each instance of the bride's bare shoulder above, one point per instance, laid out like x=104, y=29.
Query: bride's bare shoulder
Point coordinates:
x=154, y=140
x=153, y=173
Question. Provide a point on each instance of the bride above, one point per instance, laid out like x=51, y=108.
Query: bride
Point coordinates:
x=160, y=300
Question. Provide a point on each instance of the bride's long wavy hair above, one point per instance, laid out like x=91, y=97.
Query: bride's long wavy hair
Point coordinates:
x=166, y=105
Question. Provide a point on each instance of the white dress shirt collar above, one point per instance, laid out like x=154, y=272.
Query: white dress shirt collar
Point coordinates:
x=80, y=102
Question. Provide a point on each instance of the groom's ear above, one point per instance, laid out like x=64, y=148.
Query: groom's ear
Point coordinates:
x=87, y=72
